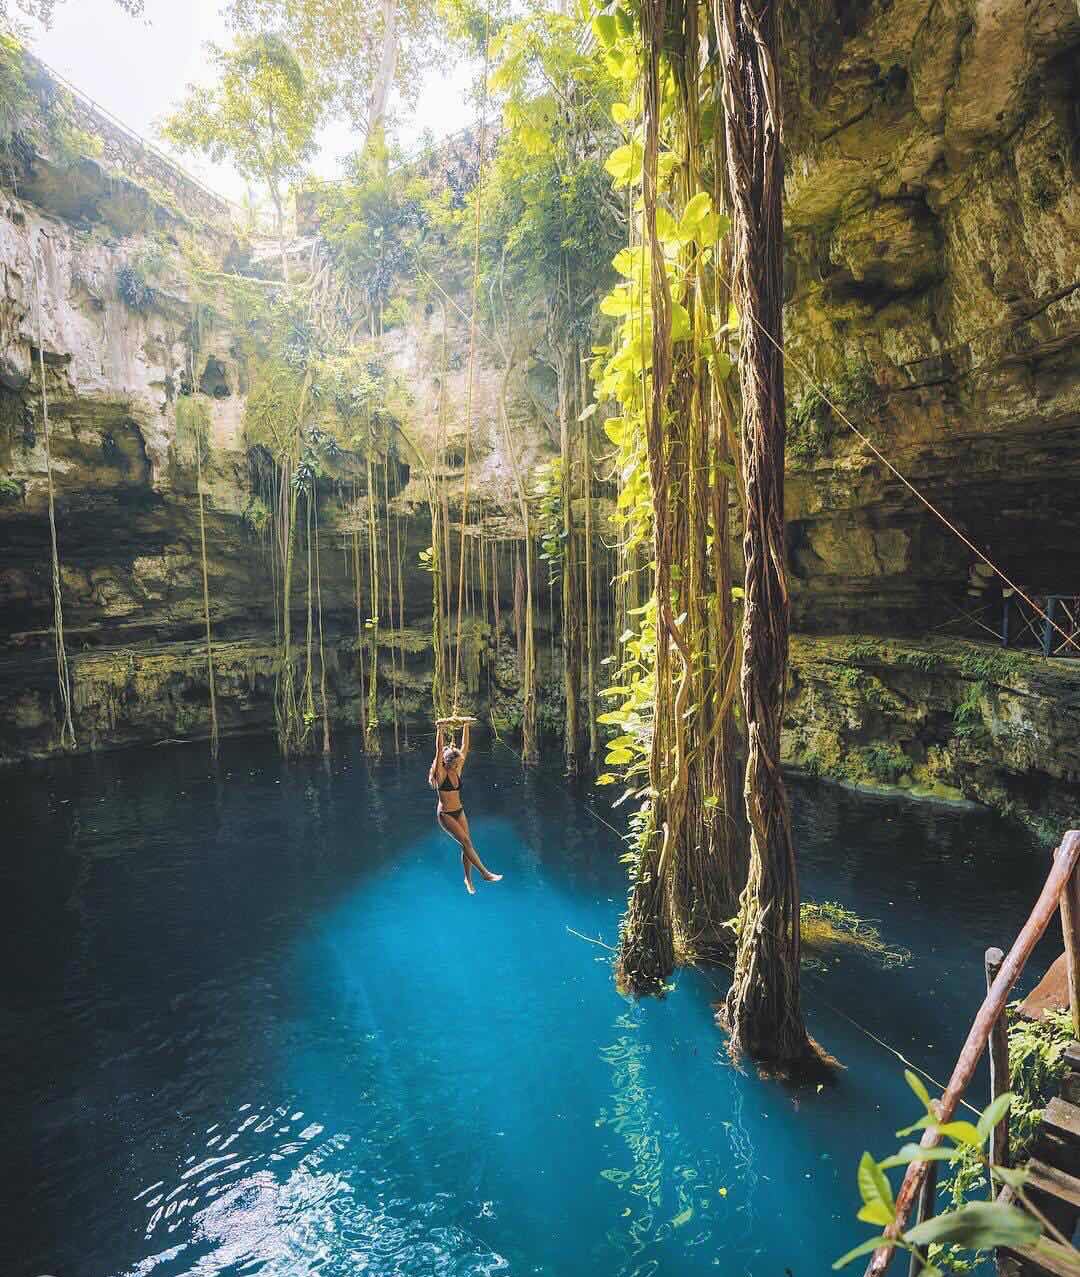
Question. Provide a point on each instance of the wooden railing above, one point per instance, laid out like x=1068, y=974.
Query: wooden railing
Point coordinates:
x=1061, y=892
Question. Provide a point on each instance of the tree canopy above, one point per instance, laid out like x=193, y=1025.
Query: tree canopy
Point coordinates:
x=356, y=50
x=43, y=10
x=260, y=114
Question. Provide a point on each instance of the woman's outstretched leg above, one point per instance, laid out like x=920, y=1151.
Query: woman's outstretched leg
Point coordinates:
x=470, y=850
x=457, y=827
x=452, y=826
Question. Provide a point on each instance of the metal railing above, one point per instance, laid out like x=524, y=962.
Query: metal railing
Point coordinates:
x=128, y=132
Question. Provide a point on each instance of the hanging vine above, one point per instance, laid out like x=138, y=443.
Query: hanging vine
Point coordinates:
x=665, y=370
x=193, y=420
x=63, y=674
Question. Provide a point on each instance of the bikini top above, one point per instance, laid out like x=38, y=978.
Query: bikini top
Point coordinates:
x=447, y=788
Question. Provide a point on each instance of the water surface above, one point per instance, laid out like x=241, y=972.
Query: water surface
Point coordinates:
x=252, y=1023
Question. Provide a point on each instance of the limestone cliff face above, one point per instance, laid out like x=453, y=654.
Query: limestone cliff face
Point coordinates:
x=95, y=275
x=933, y=213
x=933, y=292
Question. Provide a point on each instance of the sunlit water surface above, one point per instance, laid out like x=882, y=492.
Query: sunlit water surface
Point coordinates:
x=253, y=1024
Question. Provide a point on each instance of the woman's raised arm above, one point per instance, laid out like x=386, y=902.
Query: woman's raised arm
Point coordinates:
x=435, y=775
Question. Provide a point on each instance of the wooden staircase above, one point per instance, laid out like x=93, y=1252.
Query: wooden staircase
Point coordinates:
x=1054, y=1183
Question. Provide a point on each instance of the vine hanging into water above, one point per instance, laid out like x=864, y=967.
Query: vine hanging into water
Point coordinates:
x=63, y=673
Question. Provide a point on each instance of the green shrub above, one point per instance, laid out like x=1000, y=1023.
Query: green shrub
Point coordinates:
x=925, y=662
x=12, y=491
x=968, y=721
x=135, y=291
x=884, y=762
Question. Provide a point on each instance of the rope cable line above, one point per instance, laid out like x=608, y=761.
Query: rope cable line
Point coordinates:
x=470, y=380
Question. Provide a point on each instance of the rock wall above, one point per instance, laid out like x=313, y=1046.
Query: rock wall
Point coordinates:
x=933, y=276
x=933, y=297
x=96, y=286
x=940, y=719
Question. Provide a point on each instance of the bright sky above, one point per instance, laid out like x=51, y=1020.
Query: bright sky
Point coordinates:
x=138, y=67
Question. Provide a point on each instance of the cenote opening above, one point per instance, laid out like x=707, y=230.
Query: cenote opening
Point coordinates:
x=253, y=1024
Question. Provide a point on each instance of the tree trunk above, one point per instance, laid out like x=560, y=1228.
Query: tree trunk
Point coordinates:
x=763, y=1007
x=375, y=143
x=279, y=215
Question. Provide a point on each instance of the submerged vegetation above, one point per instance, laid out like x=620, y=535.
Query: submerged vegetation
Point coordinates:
x=830, y=929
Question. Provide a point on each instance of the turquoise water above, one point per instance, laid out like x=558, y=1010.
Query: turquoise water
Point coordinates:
x=252, y=1023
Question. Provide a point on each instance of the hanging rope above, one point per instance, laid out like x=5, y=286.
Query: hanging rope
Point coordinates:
x=482, y=142
x=214, y=734
x=63, y=675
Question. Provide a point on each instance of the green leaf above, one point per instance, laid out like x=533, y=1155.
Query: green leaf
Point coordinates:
x=607, y=29
x=722, y=366
x=624, y=163
x=873, y=1186
x=916, y=1153
x=607, y=778
x=615, y=429
x=621, y=113
x=962, y=1133
x=588, y=412
x=992, y=1114
x=977, y=1226
x=696, y=209
x=921, y=1125
x=617, y=302
x=916, y=1083
x=629, y=262
x=680, y=322
x=876, y=1213
x=612, y=716
x=864, y=1248
x=666, y=229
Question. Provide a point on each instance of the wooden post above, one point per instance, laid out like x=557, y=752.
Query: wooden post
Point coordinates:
x=927, y=1208
x=999, y=1068
x=1070, y=921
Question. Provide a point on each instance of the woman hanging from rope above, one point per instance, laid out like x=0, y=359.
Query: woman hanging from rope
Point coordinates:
x=445, y=778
